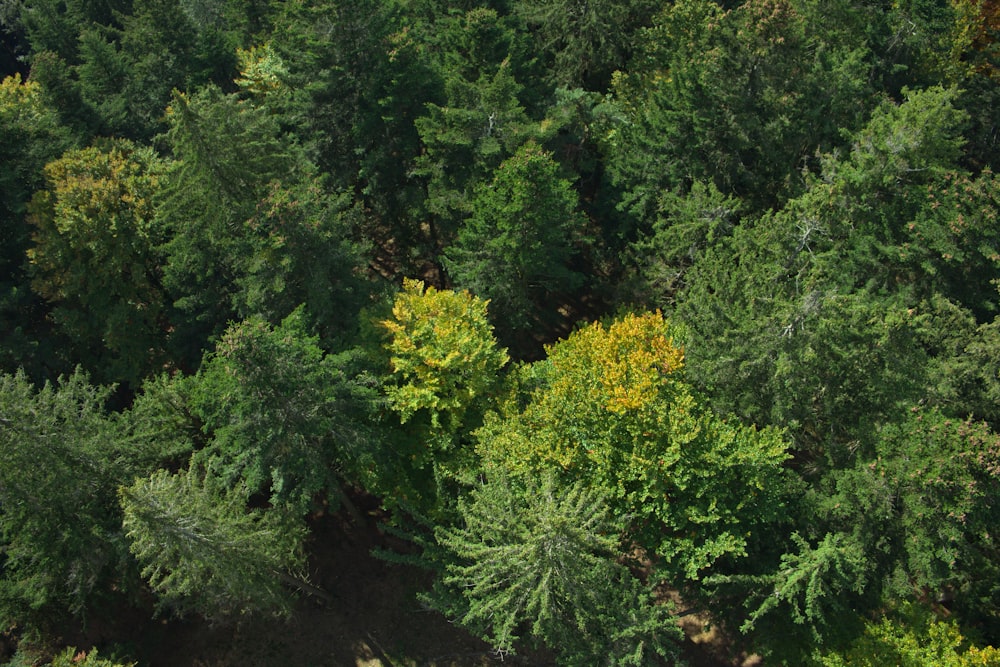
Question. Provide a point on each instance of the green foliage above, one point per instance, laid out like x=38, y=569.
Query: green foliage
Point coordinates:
x=817, y=589
x=537, y=559
x=228, y=154
x=95, y=257
x=60, y=462
x=202, y=551
x=30, y=137
x=73, y=658
x=910, y=637
x=481, y=124
x=584, y=43
x=736, y=97
x=809, y=316
x=686, y=225
x=918, y=515
x=286, y=419
x=936, y=482
x=610, y=408
x=516, y=247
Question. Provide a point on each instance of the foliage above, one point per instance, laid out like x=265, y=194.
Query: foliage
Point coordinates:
x=30, y=137
x=916, y=515
x=738, y=97
x=464, y=140
x=584, y=42
x=910, y=637
x=611, y=408
x=286, y=419
x=60, y=463
x=228, y=153
x=202, y=551
x=95, y=257
x=537, y=558
x=443, y=353
x=808, y=316
x=516, y=247
x=73, y=658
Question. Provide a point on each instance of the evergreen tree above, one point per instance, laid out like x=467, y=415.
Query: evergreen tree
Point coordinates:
x=537, y=560
x=202, y=551
x=516, y=248
x=285, y=419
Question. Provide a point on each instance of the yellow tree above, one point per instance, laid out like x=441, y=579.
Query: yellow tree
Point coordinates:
x=610, y=406
x=445, y=366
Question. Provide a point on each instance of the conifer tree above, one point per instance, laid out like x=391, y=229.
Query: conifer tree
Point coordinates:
x=536, y=560
x=203, y=551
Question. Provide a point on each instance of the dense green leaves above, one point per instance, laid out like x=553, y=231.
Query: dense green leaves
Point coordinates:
x=212, y=203
x=286, y=419
x=443, y=353
x=611, y=408
x=96, y=257
x=61, y=461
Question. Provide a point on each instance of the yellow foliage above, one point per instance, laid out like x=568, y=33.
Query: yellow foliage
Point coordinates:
x=443, y=351
x=626, y=363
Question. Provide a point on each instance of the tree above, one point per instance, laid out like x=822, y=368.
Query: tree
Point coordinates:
x=481, y=124
x=95, y=257
x=202, y=551
x=30, y=137
x=285, y=419
x=516, y=247
x=227, y=155
x=445, y=366
x=809, y=317
x=61, y=461
x=532, y=556
x=584, y=43
x=909, y=636
x=609, y=406
x=913, y=520
x=687, y=224
x=739, y=97
x=443, y=353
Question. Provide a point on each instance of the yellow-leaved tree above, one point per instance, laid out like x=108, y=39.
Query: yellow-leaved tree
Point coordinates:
x=610, y=407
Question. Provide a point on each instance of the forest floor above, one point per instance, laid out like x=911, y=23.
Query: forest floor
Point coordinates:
x=373, y=620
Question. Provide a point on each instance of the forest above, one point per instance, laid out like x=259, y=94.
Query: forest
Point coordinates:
x=606, y=310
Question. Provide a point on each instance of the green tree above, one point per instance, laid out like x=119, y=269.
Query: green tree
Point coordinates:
x=61, y=460
x=481, y=123
x=227, y=155
x=584, y=43
x=533, y=558
x=914, y=519
x=202, y=551
x=30, y=137
x=445, y=366
x=443, y=353
x=609, y=406
x=687, y=224
x=517, y=246
x=910, y=637
x=738, y=97
x=95, y=257
x=810, y=316
x=285, y=418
